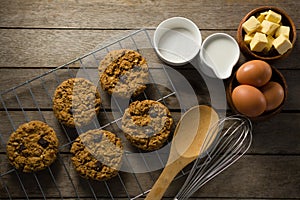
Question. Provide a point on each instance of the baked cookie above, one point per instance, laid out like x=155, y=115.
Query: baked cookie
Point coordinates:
x=97, y=154
x=76, y=102
x=147, y=124
x=123, y=73
x=32, y=147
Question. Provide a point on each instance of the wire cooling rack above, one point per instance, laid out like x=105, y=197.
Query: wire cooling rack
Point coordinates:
x=32, y=100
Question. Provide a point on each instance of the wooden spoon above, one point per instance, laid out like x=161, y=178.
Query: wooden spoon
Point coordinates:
x=188, y=138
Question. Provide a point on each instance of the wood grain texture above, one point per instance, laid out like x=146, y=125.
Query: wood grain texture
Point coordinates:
x=259, y=177
x=43, y=90
x=277, y=136
x=44, y=48
x=51, y=48
x=124, y=14
x=251, y=177
x=37, y=36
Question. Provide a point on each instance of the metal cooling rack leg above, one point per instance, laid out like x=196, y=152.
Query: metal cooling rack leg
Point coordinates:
x=39, y=185
x=55, y=183
x=7, y=113
x=35, y=102
x=92, y=189
x=22, y=185
x=68, y=174
x=5, y=187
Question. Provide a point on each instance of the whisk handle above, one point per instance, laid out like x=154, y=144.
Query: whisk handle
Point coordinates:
x=166, y=177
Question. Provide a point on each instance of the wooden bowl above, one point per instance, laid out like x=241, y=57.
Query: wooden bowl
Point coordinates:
x=276, y=76
x=272, y=55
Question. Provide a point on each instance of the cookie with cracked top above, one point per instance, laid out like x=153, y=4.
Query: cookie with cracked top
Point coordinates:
x=32, y=147
x=97, y=154
x=147, y=124
x=123, y=73
x=76, y=102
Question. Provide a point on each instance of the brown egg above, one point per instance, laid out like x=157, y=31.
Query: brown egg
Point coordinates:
x=255, y=72
x=248, y=100
x=274, y=94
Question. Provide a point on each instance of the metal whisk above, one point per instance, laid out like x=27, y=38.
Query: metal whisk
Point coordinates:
x=233, y=140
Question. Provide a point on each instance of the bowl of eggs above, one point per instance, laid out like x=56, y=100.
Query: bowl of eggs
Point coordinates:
x=256, y=90
x=266, y=33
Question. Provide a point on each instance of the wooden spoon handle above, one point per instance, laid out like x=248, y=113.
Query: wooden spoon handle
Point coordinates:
x=166, y=177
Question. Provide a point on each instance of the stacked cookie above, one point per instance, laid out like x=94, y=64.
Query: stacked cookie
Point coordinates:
x=97, y=154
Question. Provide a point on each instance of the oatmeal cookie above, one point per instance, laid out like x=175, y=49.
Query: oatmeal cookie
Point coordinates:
x=97, y=154
x=123, y=73
x=147, y=124
x=76, y=102
x=32, y=147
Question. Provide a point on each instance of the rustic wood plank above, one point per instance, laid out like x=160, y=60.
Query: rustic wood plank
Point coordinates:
x=276, y=136
x=51, y=48
x=278, y=133
x=42, y=48
x=46, y=34
x=69, y=183
x=13, y=119
x=123, y=14
x=38, y=93
x=256, y=177
x=43, y=89
x=292, y=79
x=251, y=177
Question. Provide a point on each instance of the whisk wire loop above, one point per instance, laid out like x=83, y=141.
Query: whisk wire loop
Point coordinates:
x=226, y=141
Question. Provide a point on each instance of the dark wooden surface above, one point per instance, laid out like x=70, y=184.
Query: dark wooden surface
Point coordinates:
x=37, y=36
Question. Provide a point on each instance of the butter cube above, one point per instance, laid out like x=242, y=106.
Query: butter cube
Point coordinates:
x=273, y=17
x=248, y=38
x=262, y=16
x=251, y=25
x=269, y=44
x=284, y=30
x=259, y=42
x=282, y=44
x=268, y=27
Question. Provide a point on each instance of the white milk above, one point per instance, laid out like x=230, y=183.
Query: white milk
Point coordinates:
x=178, y=45
x=220, y=53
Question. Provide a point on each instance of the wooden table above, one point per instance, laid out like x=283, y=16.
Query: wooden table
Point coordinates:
x=38, y=36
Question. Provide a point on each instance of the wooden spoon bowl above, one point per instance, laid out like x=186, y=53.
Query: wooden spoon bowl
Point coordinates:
x=189, y=136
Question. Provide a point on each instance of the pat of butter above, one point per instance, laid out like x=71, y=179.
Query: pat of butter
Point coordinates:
x=269, y=44
x=262, y=16
x=268, y=27
x=284, y=30
x=259, y=42
x=273, y=17
x=248, y=38
x=282, y=44
x=251, y=25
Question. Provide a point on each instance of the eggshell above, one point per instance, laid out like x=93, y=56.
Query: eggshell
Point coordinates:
x=255, y=72
x=274, y=94
x=248, y=100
